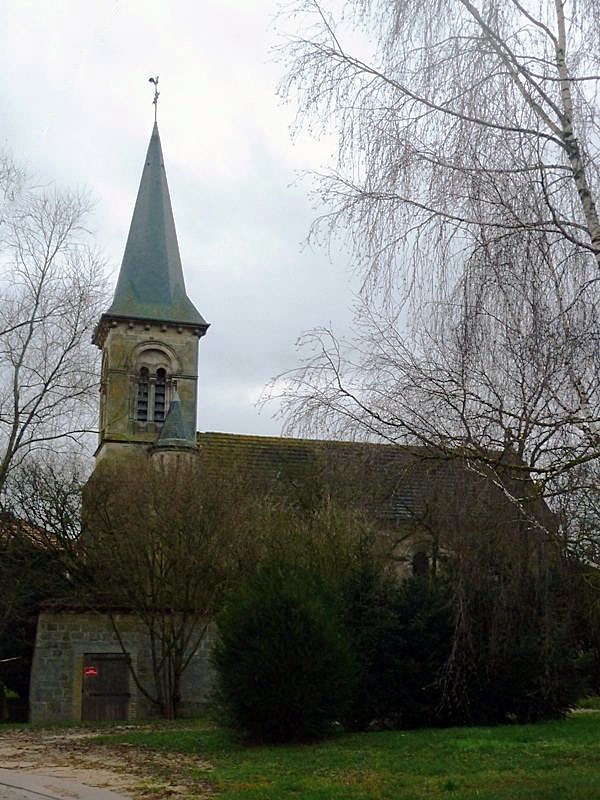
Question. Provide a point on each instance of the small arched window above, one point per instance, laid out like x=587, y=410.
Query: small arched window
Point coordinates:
x=160, y=391
x=141, y=406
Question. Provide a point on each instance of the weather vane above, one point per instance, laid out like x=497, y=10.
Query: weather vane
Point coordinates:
x=156, y=94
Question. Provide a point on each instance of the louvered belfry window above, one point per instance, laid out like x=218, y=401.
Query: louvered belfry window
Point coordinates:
x=151, y=388
x=160, y=391
x=143, y=387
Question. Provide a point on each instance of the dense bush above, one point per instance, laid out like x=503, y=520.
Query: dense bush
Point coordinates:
x=461, y=648
x=401, y=634
x=585, y=580
x=434, y=650
x=515, y=658
x=284, y=666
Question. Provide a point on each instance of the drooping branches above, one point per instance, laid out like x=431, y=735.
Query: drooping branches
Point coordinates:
x=458, y=109
x=467, y=181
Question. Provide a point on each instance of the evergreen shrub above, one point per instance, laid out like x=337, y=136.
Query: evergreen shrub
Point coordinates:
x=29, y=576
x=401, y=634
x=424, y=651
x=429, y=652
x=284, y=666
x=519, y=660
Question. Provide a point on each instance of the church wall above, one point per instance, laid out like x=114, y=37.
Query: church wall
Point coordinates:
x=57, y=670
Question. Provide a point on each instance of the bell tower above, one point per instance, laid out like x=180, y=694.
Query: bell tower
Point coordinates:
x=149, y=335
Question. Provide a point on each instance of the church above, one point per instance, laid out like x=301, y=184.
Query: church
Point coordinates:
x=149, y=339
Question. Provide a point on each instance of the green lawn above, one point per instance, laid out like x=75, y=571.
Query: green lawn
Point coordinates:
x=534, y=762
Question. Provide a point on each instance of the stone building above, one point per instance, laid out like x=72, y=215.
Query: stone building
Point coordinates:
x=149, y=338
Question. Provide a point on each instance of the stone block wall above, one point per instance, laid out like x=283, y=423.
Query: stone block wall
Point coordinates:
x=57, y=670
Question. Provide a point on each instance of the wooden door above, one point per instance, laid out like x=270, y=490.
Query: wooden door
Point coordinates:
x=105, y=686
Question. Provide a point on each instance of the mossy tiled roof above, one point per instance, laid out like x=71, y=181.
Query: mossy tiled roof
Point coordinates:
x=392, y=482
x=384, y=479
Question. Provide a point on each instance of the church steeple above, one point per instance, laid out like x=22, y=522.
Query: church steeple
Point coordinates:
x=151, y=284
x=149, y=335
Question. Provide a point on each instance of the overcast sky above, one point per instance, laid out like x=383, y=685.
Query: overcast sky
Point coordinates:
x=76, y=107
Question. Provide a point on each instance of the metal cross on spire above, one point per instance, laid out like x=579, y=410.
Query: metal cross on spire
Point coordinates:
x=156, y=94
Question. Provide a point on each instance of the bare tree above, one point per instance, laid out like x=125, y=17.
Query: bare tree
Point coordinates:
x=51, y=291
x=462, y=107
x=501, y=368
x=158, y=543
x=467, y=180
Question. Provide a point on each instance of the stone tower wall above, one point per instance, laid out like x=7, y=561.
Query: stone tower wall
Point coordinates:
x=123, y=352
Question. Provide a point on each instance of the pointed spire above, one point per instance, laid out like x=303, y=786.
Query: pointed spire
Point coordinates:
x=151, y=284
x=174, y=432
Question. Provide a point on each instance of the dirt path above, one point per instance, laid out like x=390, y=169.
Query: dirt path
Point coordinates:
x=72, y=754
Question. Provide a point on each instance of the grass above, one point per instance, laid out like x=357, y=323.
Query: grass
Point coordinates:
x=550, y=761
x=590, y=703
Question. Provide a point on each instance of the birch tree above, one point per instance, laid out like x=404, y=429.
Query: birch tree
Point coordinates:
x=469, y=114
x=467, y=184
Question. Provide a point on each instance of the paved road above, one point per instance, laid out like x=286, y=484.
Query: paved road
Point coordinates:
x=19, y=785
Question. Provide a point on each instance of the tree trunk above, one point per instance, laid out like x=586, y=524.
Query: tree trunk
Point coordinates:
x=3, y=704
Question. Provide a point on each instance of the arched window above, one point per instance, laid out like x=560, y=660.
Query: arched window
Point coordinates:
x=141, y=405
x=153, y=369
x=160, y=390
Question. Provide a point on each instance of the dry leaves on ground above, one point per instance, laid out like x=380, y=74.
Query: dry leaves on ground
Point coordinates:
x=73, y=753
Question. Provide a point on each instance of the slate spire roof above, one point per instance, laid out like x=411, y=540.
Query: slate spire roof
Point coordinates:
x=151, y=284
x=174, y=432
